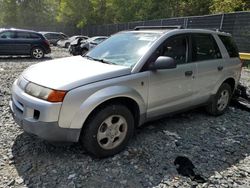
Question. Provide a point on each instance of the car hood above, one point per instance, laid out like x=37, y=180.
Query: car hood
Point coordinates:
x=72, y=72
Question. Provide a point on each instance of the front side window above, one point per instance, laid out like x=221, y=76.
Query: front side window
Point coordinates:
x=7, y=35
x=124, y=48
x=204, y=47
x=176, y=47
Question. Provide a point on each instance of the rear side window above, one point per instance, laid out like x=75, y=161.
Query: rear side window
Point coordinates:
x=23, y=35
x=230, y=46
x=34, y=36
x=204, y=47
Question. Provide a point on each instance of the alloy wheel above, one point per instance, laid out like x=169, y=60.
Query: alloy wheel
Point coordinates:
x=112, y=132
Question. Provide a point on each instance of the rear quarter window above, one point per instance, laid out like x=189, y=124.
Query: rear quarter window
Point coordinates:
x=34, y=36
x=230, y=45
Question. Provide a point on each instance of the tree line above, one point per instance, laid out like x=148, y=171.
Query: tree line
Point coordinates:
x=79, y=13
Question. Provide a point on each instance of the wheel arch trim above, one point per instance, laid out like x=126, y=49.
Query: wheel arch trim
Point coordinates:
x=104, y=95
x=228, y=80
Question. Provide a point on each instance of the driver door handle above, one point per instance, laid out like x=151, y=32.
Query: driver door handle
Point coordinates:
x=188, y=73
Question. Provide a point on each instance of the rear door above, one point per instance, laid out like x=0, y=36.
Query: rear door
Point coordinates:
x=172, y=89
x=23, y=42
x=7, y=43
x=208, y=58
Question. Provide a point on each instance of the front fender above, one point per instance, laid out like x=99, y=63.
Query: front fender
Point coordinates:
x=101, y=96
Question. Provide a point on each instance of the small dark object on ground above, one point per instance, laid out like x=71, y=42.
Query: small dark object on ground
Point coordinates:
x=185, y=167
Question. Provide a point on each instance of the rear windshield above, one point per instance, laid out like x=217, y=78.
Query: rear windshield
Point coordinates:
x=230, y=46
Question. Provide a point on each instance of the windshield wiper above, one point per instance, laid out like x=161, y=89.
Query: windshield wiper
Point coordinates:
x=100, y=60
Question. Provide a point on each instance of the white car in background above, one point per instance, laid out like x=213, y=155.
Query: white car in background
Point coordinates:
x=66, y=43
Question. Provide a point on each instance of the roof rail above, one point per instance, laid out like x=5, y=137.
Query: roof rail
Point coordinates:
x=213, y=29
x=158, y=27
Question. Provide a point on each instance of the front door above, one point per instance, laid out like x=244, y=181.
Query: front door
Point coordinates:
x=172, y=89
x=7, y=43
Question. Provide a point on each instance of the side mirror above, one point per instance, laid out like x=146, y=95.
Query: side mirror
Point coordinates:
x=4, y=37
x=163, y=62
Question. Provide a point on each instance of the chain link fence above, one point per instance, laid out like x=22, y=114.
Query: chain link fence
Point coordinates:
x=238, y=24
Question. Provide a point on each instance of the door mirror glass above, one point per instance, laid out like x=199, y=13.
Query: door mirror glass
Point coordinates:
x=163, y=62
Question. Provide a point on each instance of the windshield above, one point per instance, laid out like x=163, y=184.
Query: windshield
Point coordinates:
x=123, y=48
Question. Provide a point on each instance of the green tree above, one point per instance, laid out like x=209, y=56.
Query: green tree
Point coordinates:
x=9, y=11
x=194, y=7
x=74, y=12
x=224, y=6
x=36, y=12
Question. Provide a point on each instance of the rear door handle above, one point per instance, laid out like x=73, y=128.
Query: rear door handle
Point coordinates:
x=220, y=68
x=188, y=73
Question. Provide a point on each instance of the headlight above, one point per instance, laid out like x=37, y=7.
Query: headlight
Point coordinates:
x=44, y=93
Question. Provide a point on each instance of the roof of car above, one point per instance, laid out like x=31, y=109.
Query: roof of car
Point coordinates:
x=15, y=29
x=45, y=32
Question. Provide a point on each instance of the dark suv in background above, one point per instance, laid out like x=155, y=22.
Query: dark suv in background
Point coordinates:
x=23, y=42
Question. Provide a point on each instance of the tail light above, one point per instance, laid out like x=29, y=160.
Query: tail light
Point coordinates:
x=242, y=62
x=47, y=42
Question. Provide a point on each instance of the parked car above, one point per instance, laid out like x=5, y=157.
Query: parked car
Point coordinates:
x=54, y=37
x=127, y=80
x=66, y=43
x=23, y=42
x=81, y=47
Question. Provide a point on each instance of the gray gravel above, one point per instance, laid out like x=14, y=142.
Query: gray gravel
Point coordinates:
x=218, y=147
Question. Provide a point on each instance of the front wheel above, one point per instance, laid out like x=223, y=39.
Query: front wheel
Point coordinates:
x=108, y=131
x=221, y=100
x=37, y=53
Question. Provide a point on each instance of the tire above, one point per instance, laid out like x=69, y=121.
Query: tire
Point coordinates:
x=220, y=101
x=108, y=131
x=37, y=53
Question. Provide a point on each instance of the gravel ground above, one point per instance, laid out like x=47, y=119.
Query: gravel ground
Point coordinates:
x=219, y=147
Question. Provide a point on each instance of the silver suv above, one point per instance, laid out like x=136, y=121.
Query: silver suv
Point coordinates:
x=132, y=77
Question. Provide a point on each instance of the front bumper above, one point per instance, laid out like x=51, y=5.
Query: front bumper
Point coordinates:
x=40, y=117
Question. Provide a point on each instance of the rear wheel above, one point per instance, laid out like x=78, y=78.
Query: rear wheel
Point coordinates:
x=37, y=53
x=108, y=131
x=221, y=100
